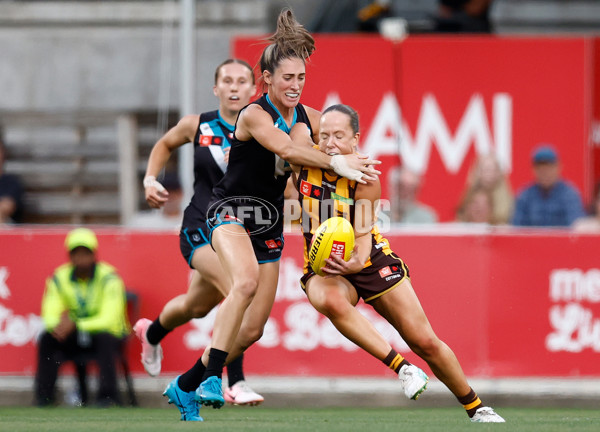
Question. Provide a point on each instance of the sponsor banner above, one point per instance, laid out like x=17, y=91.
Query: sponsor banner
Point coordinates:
x=595, y=120
x=508, y=304
x=544, y=306
x=437, y=102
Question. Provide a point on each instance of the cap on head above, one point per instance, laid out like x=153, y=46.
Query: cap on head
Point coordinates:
x=81, y=237
x=544, y=154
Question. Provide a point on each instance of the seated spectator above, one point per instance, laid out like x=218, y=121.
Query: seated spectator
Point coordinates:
x=590, y=223
x=463, y=16
x=550, y=200
x=11, y=193
x=487, y=175
x=405, y=209
x=371, y=14
x=477, y=207
x=84, y=313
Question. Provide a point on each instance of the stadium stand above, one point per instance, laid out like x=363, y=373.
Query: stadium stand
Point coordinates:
x=63, y=140
x=70, y=163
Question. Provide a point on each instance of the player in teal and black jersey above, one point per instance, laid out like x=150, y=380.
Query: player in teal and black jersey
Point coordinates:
x=245, y=214
x=210, y=133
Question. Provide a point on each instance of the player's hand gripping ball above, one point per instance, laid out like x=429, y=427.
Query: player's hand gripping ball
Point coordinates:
x=335, y=236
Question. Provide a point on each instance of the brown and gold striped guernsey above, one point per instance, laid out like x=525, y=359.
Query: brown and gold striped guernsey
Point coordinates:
x=324, y=194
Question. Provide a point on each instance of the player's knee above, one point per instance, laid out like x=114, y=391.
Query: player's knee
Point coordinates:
x=426, y=346
x=332, y=305
x=198, y=311
x=245, y=288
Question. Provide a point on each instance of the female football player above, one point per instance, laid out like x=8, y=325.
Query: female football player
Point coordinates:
x=373, y=273
x=210, y=134
x=245, y=215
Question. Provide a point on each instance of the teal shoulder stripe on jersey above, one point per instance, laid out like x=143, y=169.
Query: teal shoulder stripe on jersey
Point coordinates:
x=229, y=127
x=280, y=123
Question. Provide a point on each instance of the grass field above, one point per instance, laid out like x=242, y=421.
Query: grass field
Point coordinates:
x=291, y=419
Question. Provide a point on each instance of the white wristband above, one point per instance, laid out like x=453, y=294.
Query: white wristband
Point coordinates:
x=150, y=181
x=340, y=166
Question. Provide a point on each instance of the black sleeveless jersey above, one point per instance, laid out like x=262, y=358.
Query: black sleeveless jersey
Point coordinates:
x=212, y=137
x=255, y=173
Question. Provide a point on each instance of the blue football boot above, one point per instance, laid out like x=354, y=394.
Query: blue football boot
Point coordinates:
x=188, y=407
x=210, y=392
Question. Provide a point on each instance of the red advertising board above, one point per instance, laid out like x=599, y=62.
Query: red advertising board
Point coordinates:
x=507, y=303
x=594, y=140
x=436, y=102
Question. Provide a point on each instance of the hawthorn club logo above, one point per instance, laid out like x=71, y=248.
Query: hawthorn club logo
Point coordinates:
x=255, y=214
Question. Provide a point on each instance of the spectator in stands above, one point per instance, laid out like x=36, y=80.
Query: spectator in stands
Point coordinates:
x=550, y=200
x=477, y=207
x=349, y=16
x=11, y=193
x=463, y=16
x=371, y=15
x=487, y=178
x=590, y=223
x=405, y=209
x=84, y=313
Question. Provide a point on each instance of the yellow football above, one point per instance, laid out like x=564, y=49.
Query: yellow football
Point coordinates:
x=335, y=236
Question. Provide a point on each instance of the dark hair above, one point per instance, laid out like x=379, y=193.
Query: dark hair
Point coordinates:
x=290, y=40
x=236, y=61
x=349, y=111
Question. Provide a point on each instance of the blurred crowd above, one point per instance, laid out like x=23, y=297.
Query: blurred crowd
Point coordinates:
x=384, y=16
x=487, y=198
x=548, y=200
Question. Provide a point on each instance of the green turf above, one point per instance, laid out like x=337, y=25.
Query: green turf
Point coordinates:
x=264, y=419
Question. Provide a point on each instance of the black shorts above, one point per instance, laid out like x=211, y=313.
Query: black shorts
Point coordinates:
x=191, y=239
x=384, y=274
x=267, y=244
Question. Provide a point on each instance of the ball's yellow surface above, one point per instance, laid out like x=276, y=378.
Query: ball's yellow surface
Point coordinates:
x=335, y=236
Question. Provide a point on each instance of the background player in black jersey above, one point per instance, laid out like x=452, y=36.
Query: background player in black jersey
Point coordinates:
x=373, y=273
x=249, y=245
x=210, y=134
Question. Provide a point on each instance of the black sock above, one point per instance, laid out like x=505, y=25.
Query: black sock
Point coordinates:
x=191, y=380
x=235, y=371
x=156, y=332
x=395, y=361
x=470, y=402
x=216, y=362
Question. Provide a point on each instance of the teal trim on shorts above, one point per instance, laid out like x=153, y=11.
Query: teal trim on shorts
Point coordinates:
x=185, y=232
x=268, y=261
x=220, y=222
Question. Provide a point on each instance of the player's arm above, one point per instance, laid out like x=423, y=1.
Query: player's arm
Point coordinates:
x=366, y=201
x=180, y=134
x=291, y=187
x=297, y=150
x=292, y=211
x=314, y=117
x=297, y=133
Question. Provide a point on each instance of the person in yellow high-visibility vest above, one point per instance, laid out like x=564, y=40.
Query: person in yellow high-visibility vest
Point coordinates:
x=84, y=313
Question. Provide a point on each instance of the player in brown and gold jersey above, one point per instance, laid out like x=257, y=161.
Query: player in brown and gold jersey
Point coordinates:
x=373, y=273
